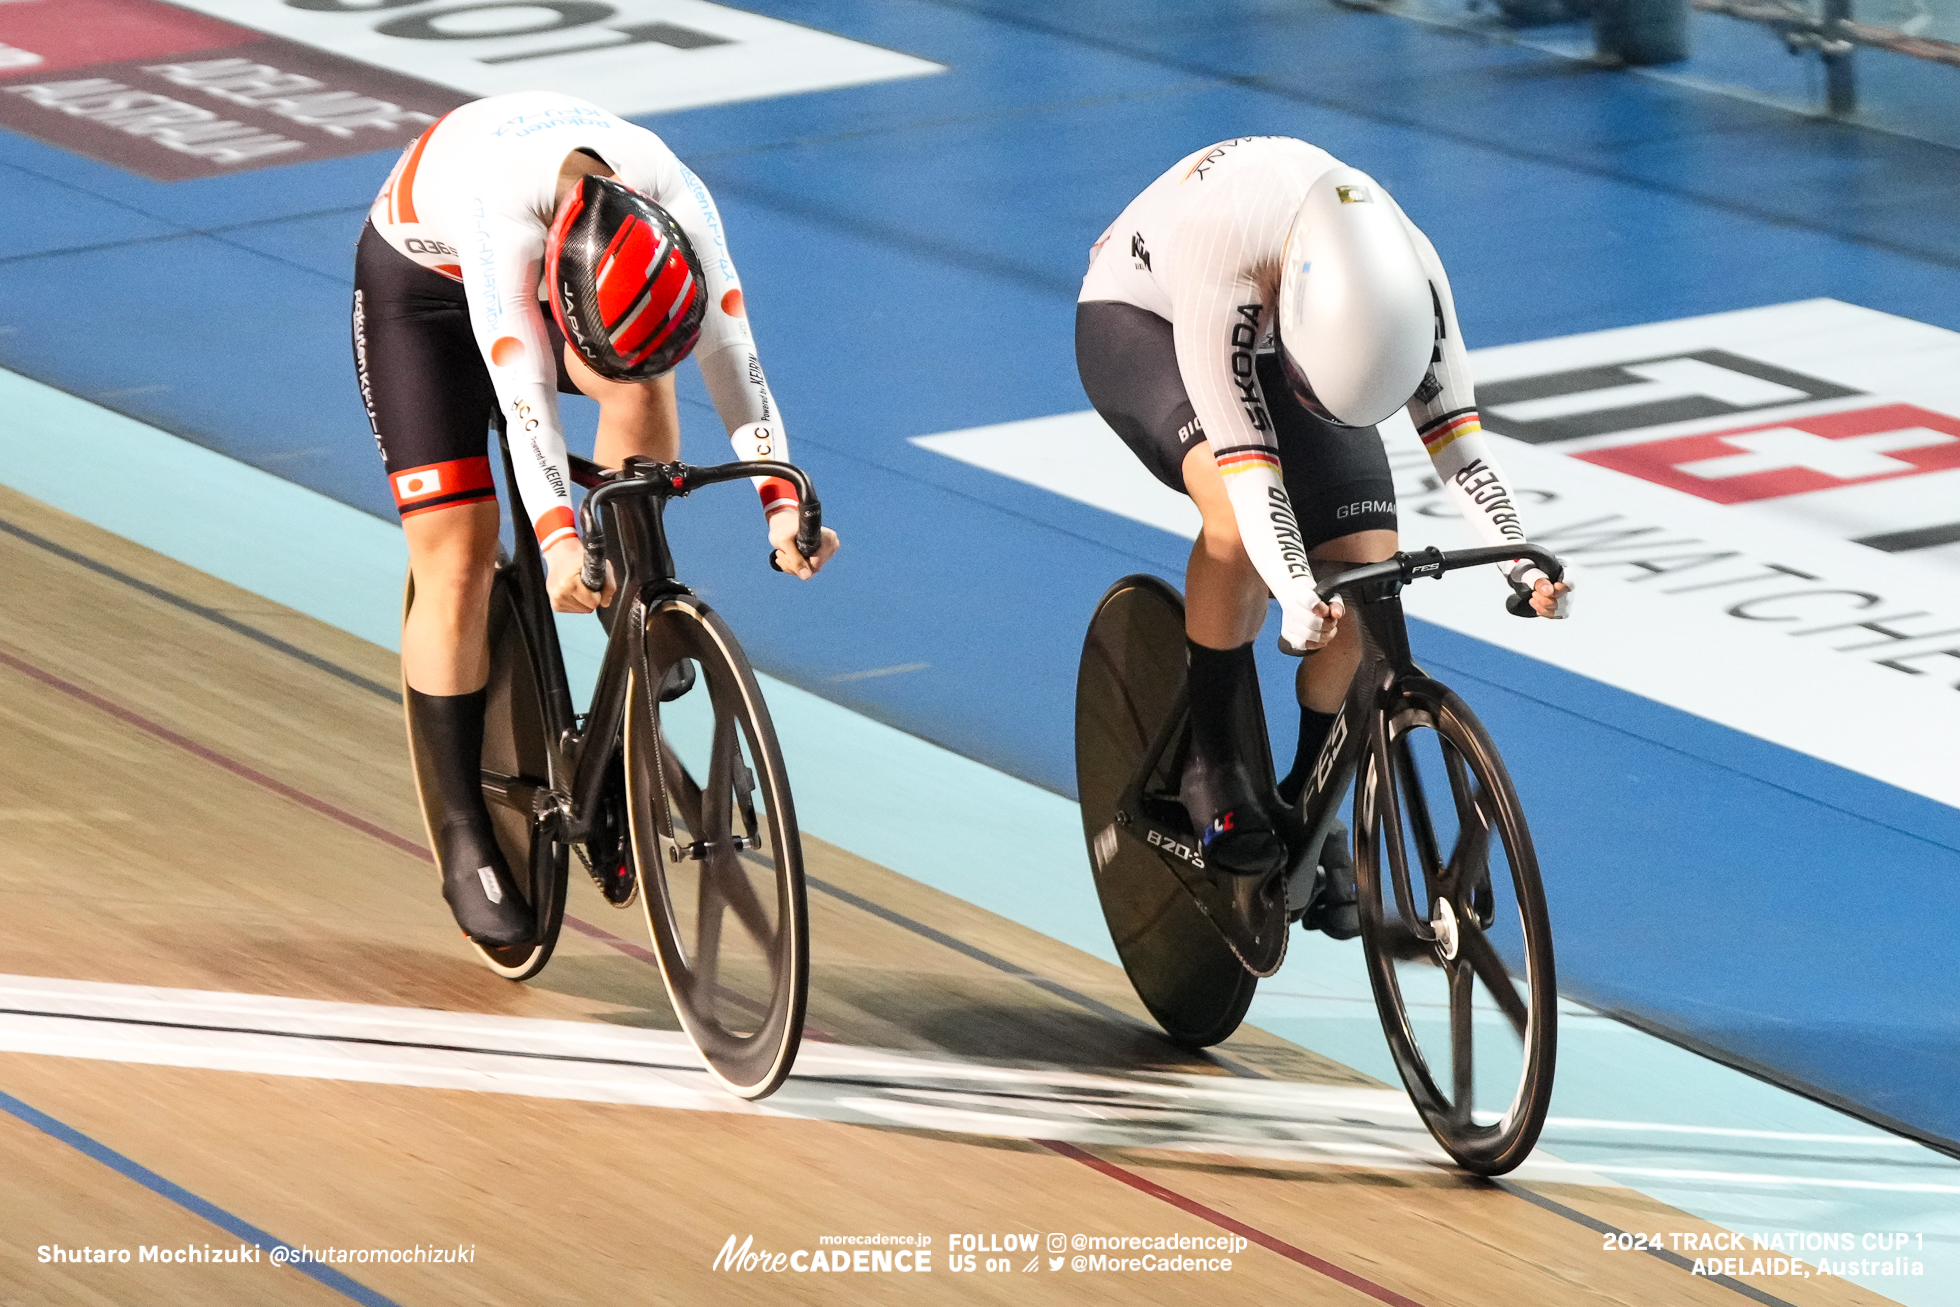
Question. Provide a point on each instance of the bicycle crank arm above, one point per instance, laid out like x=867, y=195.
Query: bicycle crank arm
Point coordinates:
x=532, y=798
x=1248, y=912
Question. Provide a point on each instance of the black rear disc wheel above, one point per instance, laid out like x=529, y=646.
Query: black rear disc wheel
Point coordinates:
x=714, y=835
x=1131, y=680
x=1455, y=929
x=514, y=747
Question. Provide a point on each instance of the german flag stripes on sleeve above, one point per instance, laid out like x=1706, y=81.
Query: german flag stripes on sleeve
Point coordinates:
x=1271, y=534
x=1440, y=434
x=1469, y=470
x=1238, y=459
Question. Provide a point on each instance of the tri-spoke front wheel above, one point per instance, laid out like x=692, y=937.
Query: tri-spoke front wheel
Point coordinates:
x=1455, y=929
x=715, y=838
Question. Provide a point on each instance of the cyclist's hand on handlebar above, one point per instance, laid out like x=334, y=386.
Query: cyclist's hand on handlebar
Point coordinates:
x=1551, y=599
x=782, y=534
x=1548, y=598
x=564, y=584
x=1303, y=631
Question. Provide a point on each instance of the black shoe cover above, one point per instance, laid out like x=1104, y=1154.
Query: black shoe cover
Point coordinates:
x=1232, y=825
x=478, y=887
x=1336, y=910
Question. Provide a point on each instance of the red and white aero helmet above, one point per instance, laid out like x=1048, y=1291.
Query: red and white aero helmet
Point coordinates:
x=1357, y=318
x=625, y=284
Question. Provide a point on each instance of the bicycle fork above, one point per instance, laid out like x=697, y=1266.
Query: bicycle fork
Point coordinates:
x=1388, y=668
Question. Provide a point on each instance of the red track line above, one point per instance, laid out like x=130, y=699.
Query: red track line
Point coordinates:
x=305, y=800
x=633, y=950
x=1194, y=1207
x=215, y=758
x=283, y=790
x=606, y=937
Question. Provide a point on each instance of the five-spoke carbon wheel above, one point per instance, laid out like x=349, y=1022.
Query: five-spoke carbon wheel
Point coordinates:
x=1131, y=681
x=1455, y=929
x=714, y=835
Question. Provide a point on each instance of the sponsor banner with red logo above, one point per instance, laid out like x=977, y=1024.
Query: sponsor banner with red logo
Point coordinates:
x=1825, y=451
x=1764, y=507
x=1819, y=416
x=173, y=95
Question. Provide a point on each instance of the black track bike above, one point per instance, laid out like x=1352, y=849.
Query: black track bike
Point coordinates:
x=670, y=784
x=1454, y=926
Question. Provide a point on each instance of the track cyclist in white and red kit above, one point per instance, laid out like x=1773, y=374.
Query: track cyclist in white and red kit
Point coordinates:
x=512, y=224
x=1244, y=325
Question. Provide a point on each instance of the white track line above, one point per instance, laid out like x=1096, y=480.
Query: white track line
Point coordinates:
x=594, y=1062
x=1873, y=1140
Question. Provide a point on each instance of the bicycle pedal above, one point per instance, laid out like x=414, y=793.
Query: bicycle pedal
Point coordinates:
x=678, y=681
x=699, y=850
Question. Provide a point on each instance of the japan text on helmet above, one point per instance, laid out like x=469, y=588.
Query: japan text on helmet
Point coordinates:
x=1357, y=319
x=624, y=283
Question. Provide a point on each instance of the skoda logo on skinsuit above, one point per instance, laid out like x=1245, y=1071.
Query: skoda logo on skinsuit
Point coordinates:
x=1243, y=339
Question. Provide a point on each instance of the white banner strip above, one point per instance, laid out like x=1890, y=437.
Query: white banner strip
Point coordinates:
x=630, y=56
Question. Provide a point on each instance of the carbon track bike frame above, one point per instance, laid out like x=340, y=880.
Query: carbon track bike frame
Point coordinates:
x=1436, y=918
x=622, y=519
x=1252, y=912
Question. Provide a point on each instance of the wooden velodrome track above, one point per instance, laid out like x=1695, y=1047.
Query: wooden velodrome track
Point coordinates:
x=203, y=791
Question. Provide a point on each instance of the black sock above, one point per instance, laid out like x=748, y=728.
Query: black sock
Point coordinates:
x=1220, y=678
x=1314, y=727
x=451, y=726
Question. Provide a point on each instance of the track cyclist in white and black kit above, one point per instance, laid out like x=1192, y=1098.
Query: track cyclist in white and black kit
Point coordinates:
x=1244, y=325
x=504, y=205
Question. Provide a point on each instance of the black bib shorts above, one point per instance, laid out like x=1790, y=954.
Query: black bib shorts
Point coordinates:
x=423, y=379
x=1336, y=477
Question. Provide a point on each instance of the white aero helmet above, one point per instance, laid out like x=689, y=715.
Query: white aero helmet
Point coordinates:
x=1357, y=319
